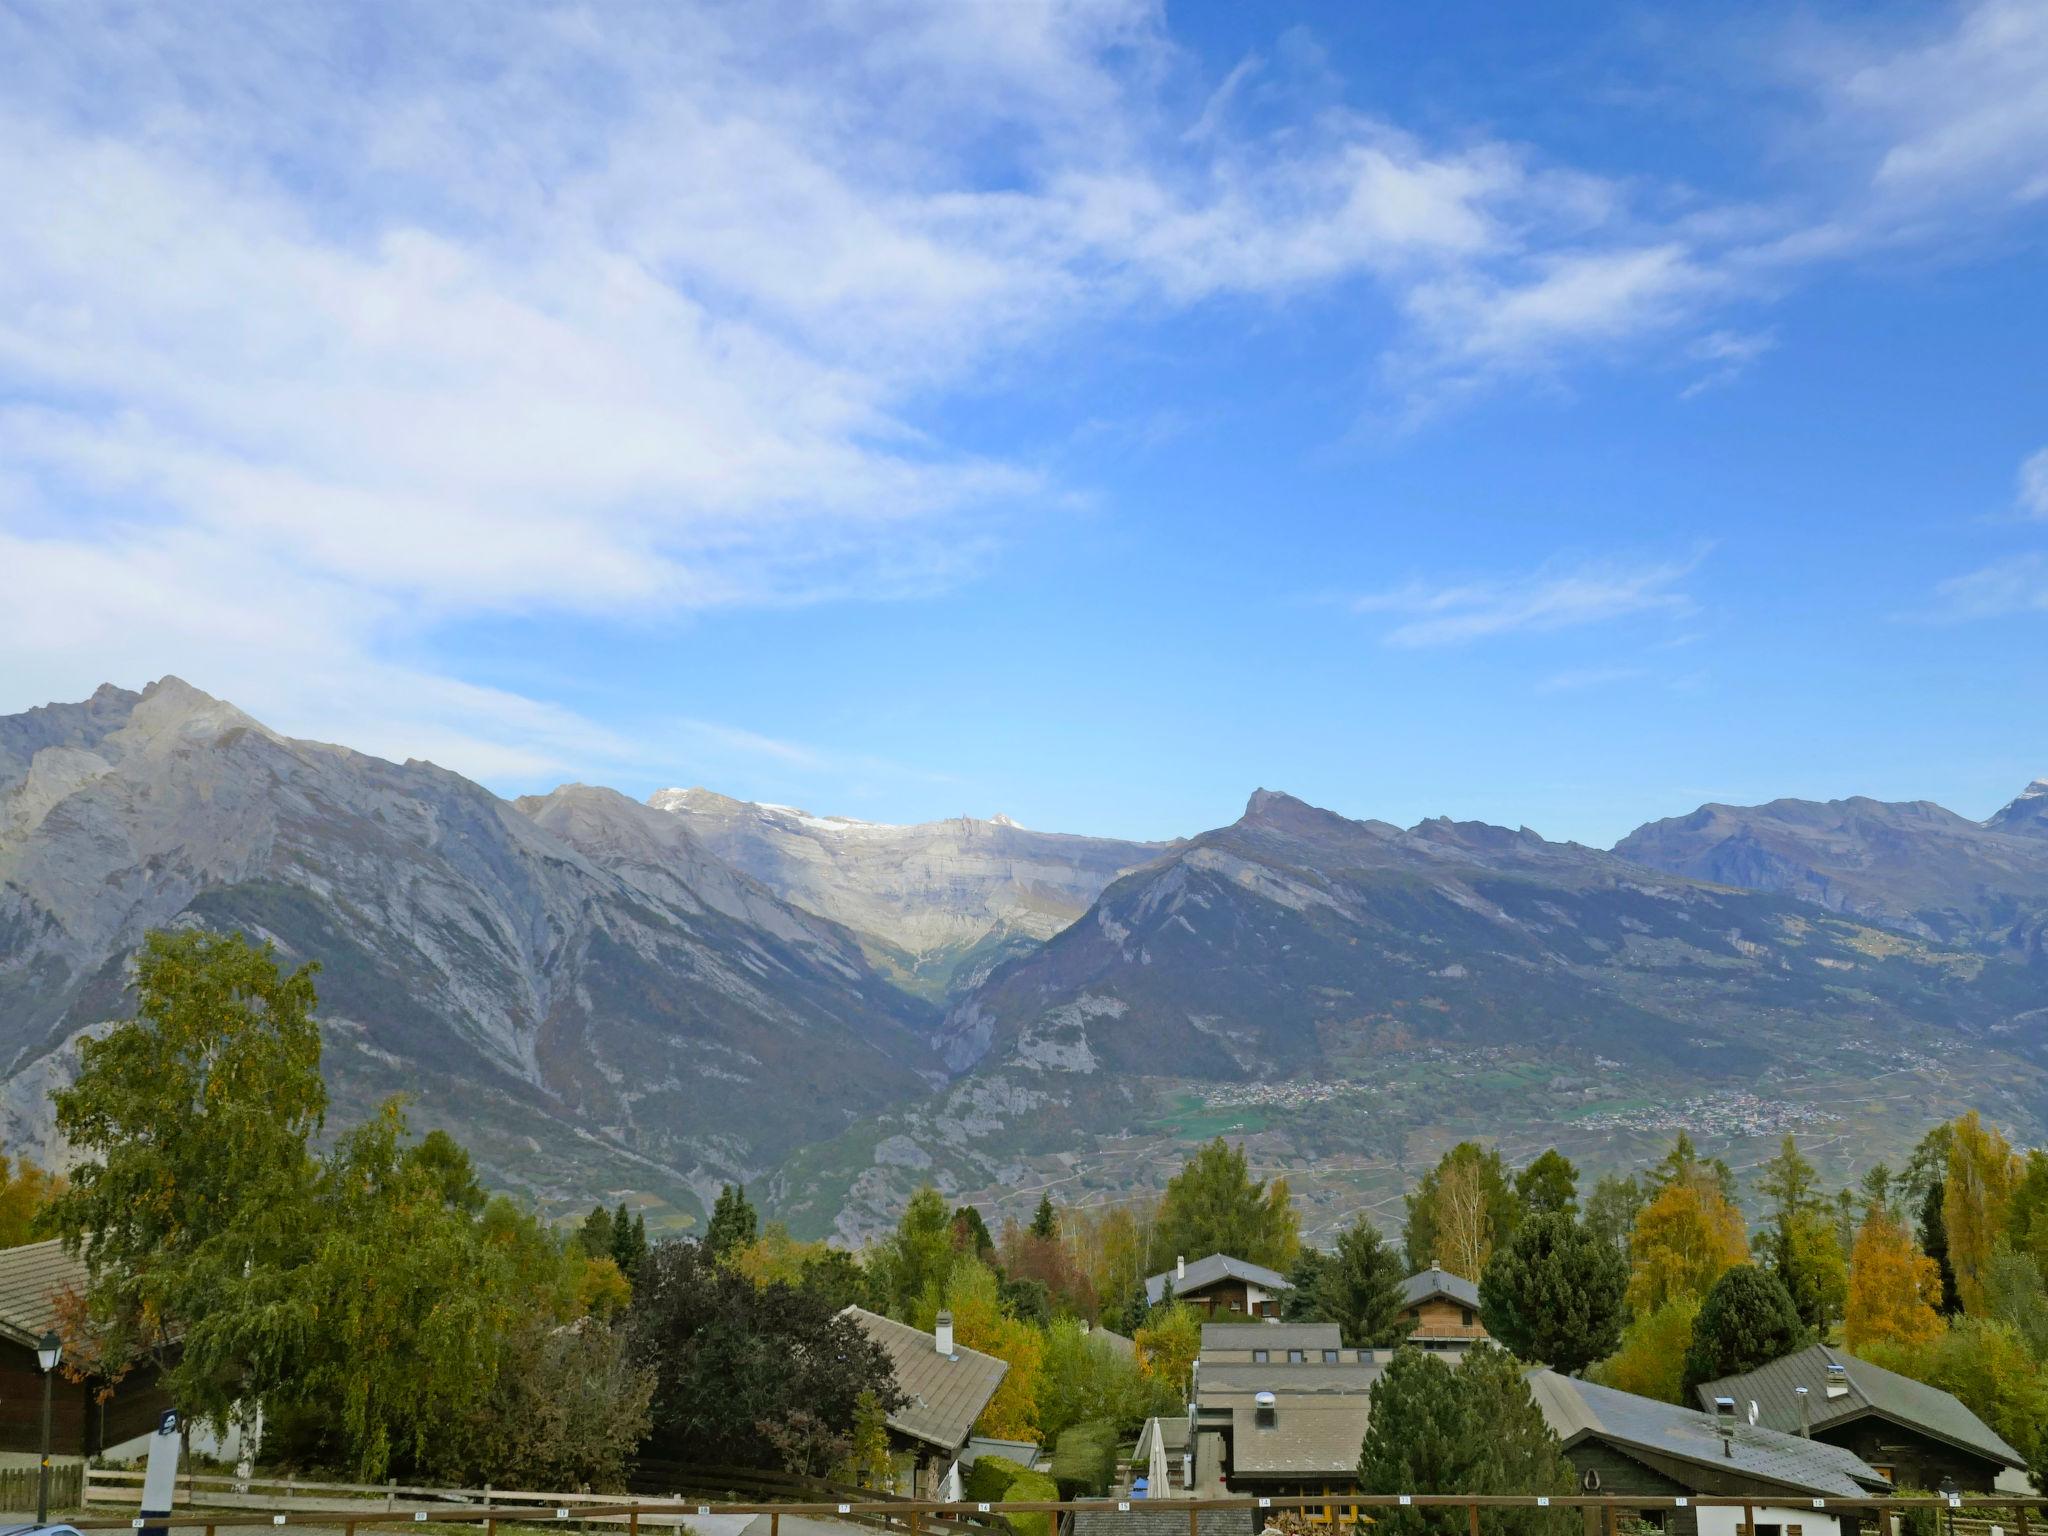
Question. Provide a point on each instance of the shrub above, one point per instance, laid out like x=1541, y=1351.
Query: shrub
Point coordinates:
x=988, y=1480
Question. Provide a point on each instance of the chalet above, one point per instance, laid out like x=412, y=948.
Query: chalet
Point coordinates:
x=947, y=1387
x=1441, y=1310
x=32, y=1278
x=1279, y=1409
x=1220, y=1286
x=1914, y=1434
x=1622, y=1444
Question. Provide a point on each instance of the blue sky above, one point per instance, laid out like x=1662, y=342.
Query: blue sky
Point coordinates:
x=1554, y=415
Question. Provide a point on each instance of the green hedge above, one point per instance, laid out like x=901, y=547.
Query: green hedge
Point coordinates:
x=1031, y=1488
x=988, y=1480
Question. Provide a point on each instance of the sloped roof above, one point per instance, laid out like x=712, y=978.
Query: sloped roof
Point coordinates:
x=31, y=1278
x=1203, y=1273
x=1171, y=1428
x=1277, y=1338
x=1310, y=1378
x=1123, y=1344
x=1437, y=1281
x=1871, y=1389
x=1306, y=1437
x=1578, y=1410
x=947, y=1393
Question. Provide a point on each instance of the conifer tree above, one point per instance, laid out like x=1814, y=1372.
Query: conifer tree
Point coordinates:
x=1894, y=1289
x=1553, y=1294
x=1746, y=1321
x=1045, y=1221
x=733, y=1225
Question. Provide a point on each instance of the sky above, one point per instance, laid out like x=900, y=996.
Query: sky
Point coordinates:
x=1086, y=411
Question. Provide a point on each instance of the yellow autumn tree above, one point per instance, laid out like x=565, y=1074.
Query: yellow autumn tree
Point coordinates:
x=1894, y=1288
x=979, y=1322
x=24, y=1190
x=1168, y=1344
x=1982, y=1172
x=1682, y=1242
x=1651, y=1360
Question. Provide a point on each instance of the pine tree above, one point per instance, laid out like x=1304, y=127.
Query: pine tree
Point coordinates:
x=1976, y=1194
x=733, y=1225
x=1802, y=1245
x=1549, y=1186
x=1894, y=1289
x=1554, y=1293
x=595, y=1234
x=1469, y=1428
x=629, y=1242
x=1045, y=1221
x=1746, y=1321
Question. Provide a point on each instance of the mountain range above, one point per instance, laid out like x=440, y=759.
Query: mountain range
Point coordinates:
x=608, y=998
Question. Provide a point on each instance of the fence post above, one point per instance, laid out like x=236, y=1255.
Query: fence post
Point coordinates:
x=390, y=1495
x=1472, y=1518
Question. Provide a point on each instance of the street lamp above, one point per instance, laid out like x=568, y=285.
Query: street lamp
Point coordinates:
x=49, y=1350
x=1953, y=1494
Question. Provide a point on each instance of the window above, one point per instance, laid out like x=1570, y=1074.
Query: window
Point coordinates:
x=1236, y=1305
x=1329, y=1357
x=1466, y=1315
x=1295, y=1357
x=1260, y=1357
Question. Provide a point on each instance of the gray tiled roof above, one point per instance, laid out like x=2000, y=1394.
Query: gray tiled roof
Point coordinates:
x=946, y=1394
x=1436, y=1281
x=1306, y=1437
x=1577, y=1410
x=1871, y=1389
x=1206, y=1272
x=31, y=1277
x=1277, y=1338
x=1155, y=1517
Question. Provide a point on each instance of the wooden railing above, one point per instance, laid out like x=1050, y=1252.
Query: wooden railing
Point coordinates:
x=2018, y=1516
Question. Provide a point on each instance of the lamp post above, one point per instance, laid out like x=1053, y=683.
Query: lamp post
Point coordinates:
x=1953, y=1494
x=49, y=1350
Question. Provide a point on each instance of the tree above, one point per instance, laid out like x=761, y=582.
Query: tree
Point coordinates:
x=1110, y=1243
x=1925, y=1187
x=1469, y=1428
x=1549, y=1186
x=980, y=1321
x=1214, y=1205
x=1360, y=1288
x=2027, y=1217
x=727, y=1355
x=1682, y=1241
x=1894, y=1289
x=1302, y=1301
x=1612, y=1208
x=1554, y=1293
x=25, y=1191
x=1684, y=1163
x=869, y=1461
x=1045, y=1222
x=1088, y=1378
x=1982, y=1173
x=2015, y=1295
x=595, y=1235
x=1801, y=1245
x=971, y=1235
x=1460, y=1210
x=446, y=1164
x=1030, y=1258
x=1746, y=1321
x=1168, y=1345
x=733, y=1225
x=567, y=1409
x=1651, y=1360
x=912, y=1264
x=193, y=1119
x=629, y=1241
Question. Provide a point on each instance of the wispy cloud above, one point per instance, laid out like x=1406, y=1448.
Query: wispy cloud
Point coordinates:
x=1554, y=597
x=2016, y=584
x=2033, y=486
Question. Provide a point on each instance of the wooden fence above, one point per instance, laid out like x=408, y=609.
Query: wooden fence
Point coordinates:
x=18, y=1486
x=1602, y=1513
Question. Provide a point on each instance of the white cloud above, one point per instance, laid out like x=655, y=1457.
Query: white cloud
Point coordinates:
x=479, y=309
x=2033, y=493
x=1554, y=597
x=2016, y=584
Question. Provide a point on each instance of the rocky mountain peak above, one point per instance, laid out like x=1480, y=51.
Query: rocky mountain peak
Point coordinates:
x=2028, y=814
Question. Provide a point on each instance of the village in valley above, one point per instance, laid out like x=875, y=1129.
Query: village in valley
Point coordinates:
x=359, y=1310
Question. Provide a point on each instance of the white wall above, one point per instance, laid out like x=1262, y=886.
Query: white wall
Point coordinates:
x=1721, y=1520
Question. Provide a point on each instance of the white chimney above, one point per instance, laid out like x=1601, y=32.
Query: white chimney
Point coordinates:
x=942, y=1334
x=1805, y=1412
x=1180, y=1267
